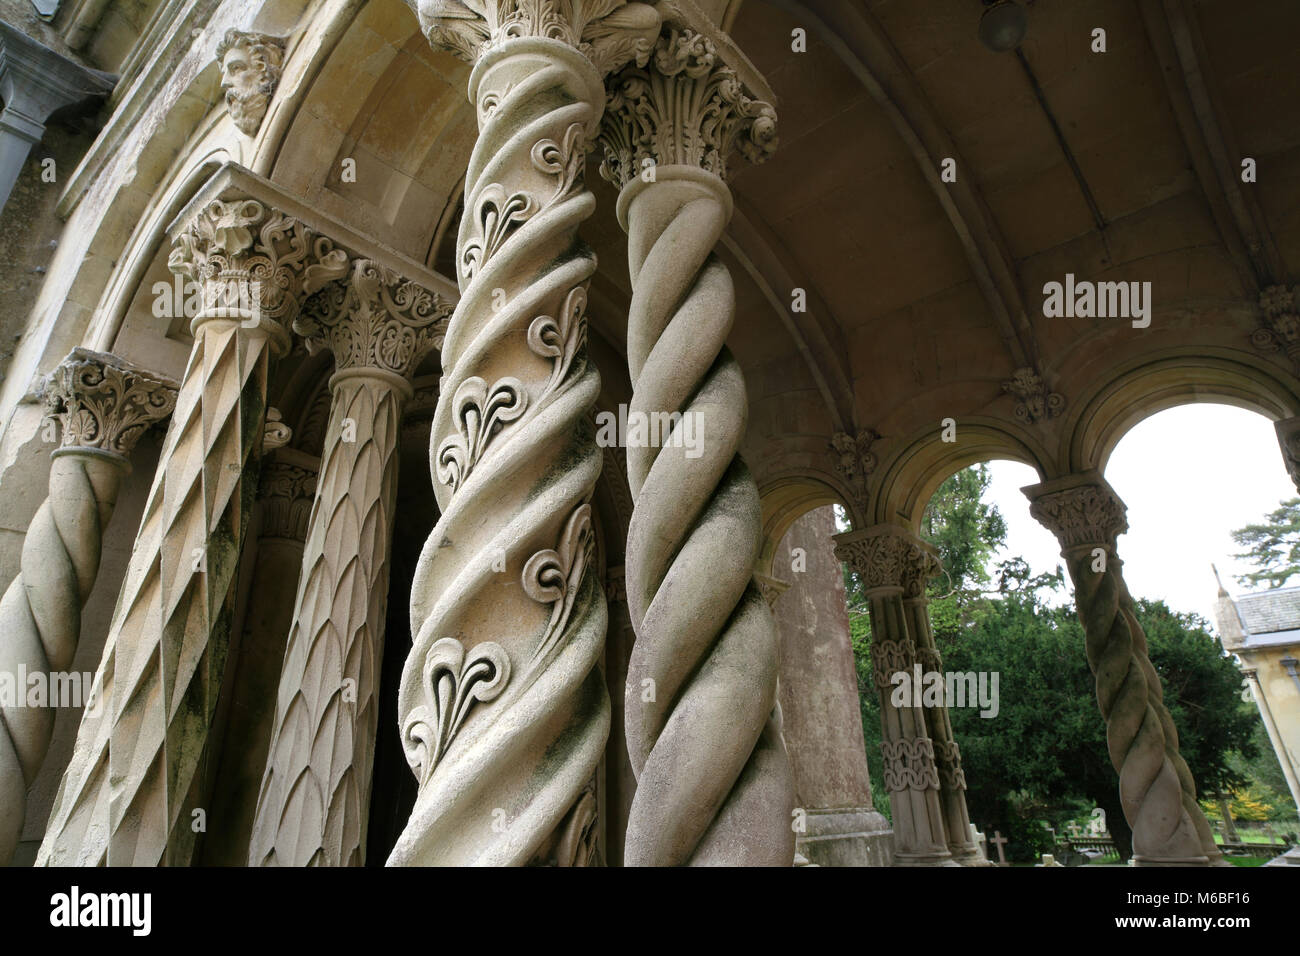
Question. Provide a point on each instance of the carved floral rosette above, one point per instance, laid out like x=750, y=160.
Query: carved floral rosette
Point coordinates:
x=689, y=108
x=1034, y=401
x=1279, y=308
x=105, y=403
x=377, y=319
x=248, y=257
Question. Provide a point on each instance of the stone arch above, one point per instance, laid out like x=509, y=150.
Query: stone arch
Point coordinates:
x=784, y=501
x=910, y=477
x=1146, y=386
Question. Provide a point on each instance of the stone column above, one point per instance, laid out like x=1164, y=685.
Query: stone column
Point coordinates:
x=127, y=796
x=315, y=792
x=503, y=710
x=947, y=755
x=1288, y=440
x=713, y=777
x=104, y=405
x=822, y=720
x=286, y=490
x=888, y=559
x=34, y=82
x=1156, y=788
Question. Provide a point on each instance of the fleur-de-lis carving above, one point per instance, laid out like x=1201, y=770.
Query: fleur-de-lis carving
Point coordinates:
x=565, y=159
x=479, y=413
x=454, y=680
x=552, y=576
x=560, y=339
x=497, y=215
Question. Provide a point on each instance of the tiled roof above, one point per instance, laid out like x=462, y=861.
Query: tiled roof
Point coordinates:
x=1270, y=611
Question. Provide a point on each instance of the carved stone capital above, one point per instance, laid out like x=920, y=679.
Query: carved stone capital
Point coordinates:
x=104, y=402
x=1081, y=510
x=253, y=262
x=1034, y=403
x=608, y=33
x=687, y=107
x=888, y=558
x=286, y=491
x=1288, y=439
x=250, y=66
x=378, y=319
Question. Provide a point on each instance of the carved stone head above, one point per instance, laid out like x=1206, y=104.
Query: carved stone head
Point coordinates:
x=250, y=69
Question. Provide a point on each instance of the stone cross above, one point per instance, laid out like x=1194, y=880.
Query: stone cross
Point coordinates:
x=999, y=841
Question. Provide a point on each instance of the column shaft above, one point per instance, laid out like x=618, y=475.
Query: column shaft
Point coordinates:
x=713, y=778
x=503, y=710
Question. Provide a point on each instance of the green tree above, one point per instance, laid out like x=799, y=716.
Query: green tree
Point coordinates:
x=1273, y=547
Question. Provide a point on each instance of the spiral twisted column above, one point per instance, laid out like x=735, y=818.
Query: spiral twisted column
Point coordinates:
x=315, y=791
x=703, y=728
x=502, y=706
x=922, y=565
x=889, y=560
x=127, y=794
x=104, y=405
x=1157, y=792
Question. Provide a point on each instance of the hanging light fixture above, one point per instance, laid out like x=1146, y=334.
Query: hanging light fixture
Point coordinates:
x=1002, y=26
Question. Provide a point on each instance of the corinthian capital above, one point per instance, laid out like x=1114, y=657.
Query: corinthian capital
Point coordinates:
x=253, y=261
x=609, y=33
x=887, y=557
x=687, y=107
x=105, y=403
x=1081, y=510
x=379, y=319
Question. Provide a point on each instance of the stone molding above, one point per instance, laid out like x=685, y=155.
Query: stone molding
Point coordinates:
x=688, y=108
x=909, y=764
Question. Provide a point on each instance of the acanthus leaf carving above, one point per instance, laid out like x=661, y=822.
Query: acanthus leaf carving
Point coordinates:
x=377, y=319
x=1082, y=515
x=103, y=402
x=689, y=108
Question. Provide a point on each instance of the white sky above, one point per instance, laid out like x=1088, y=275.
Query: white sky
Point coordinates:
x=1189, y=475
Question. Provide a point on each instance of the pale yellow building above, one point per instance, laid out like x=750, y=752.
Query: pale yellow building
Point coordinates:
x=1263, y=631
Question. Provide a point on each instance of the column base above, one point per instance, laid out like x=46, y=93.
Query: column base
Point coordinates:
x=968, y=854
x=846, y=836
x=1170, y=861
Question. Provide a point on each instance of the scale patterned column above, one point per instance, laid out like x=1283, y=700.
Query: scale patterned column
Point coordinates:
x=1156, y=788
x=104, y=406
x=128, y=792
x=316, y=789
x=503, y=710
x=703, y=729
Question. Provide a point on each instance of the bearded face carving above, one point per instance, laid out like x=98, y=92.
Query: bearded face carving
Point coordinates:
x=250, y=70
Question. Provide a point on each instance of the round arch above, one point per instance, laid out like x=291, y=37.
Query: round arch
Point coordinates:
x=784, y=501
x=1145, y=387
x=910, y=477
